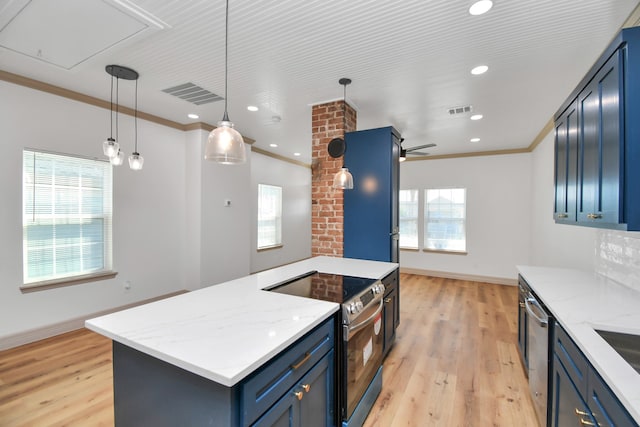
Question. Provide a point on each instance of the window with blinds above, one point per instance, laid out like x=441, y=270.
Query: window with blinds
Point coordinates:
x=67, y=216
x=269, y=216
x=445, y=216
x=408, y=218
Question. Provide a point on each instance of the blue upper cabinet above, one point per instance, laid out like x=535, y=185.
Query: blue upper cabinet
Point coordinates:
x=371, y=207
x=597, y=142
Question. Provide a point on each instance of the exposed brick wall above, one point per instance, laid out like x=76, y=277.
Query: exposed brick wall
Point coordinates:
x=327, y=218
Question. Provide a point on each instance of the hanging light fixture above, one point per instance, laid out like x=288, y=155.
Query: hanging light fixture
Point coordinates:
x=111, y=147
x=337, y=146
x=225, y=144
x=135, y=159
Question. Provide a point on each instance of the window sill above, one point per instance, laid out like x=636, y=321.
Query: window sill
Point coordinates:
x=268, y=248
x=442, y=251
x=67, y=281
x=410, y=249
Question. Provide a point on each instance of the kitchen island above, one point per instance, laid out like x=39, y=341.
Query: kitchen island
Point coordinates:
x=224, y=333
x=583, y=303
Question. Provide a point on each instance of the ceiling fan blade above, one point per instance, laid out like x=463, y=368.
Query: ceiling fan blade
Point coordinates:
x=419, y=147
x=417, y=153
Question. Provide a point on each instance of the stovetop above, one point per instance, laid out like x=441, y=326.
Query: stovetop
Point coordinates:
x=327, y=287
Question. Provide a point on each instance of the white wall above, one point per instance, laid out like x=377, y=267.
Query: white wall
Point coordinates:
x=149, y=208
x=499, y=209
x=296, y=211
x=555, y=245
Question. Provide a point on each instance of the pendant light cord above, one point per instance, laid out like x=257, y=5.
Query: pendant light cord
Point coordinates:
x=117, y=104
x=226, y=60
x=111, y=110
x=344, y=112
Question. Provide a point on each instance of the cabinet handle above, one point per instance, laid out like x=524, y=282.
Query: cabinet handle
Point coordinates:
x=584, y=422
x=306, y=387
x=578, y=413
x=562, y=215
x=594, y=216
x=299, y=394
x=304, y=360
x=521, y=304
x=387, y=300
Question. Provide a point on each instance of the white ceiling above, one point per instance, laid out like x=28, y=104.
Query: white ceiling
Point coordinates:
x=409, y=60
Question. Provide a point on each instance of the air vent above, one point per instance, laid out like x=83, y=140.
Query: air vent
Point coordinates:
x=193, y=93
x=460, y=110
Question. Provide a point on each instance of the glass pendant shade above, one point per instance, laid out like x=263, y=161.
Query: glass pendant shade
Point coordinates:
x=225, y=145
x=403, y=155
x=110, y=147
x=343, y=179
x=136, y=161
x=118, y=159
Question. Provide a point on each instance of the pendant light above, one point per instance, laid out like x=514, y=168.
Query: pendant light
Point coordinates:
x=225, y=144
x=111, y=147
x=135, y=159
x=337, y=146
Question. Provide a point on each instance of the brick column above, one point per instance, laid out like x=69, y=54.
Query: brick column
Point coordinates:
x=327, y=221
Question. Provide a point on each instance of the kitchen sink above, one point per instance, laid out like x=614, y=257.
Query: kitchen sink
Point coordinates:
x=627, y=346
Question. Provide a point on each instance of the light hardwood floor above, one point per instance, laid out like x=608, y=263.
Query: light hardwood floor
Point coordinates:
x=454, y=363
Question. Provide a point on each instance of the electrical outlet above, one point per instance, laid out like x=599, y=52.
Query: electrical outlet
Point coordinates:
x=126, y=285
x=227, y=203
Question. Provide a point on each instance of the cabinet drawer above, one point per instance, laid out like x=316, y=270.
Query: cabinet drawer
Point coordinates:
x=390, y=281
x=572, y=359
x=605, y=406
x=274, y=379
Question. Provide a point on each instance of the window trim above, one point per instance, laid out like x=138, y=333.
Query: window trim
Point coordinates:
x=68, y=281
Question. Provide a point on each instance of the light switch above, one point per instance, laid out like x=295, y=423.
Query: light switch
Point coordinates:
x=227, y=202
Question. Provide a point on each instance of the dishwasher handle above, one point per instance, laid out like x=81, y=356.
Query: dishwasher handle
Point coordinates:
x=542, y=321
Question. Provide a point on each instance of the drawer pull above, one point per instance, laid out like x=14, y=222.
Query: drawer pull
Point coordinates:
x=304, y=360
x=584, y=422
x=299, y=394
x=387, y=300
x=581, y=413
x=594, y=216
x=306, y=387
x=562, y=216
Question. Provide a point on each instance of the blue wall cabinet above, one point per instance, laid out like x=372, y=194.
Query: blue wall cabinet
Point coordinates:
x=597, y=142
x=579, y=395
x=295, y=388
x=371, y=207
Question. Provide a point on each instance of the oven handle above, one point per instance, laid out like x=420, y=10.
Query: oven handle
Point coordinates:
x=368, y=320
x=532, y=301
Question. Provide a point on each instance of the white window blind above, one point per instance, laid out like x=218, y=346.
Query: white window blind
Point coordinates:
x=408, y=200
x=269, y=216
x=67, y=216
x=445, y=219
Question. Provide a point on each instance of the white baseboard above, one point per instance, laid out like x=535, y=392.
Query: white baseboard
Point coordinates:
x=460, y=276
x=37, y=334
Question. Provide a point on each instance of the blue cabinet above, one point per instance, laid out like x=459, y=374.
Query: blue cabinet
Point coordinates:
x=371, y=207
x=597, y=142
x=579, y=395
x=391, y=310
x=295, y=388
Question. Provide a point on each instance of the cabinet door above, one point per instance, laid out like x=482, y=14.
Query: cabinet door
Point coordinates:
x=566, y=165
x=389, y=319
x=568, y=407
x=600, y=169
x=308, y=403
x=605, y=406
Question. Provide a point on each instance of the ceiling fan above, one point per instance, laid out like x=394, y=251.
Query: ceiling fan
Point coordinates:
x=414, y=151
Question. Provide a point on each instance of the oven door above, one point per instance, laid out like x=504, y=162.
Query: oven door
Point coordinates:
x=363, y=342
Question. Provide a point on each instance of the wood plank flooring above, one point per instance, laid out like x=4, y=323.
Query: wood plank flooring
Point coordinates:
x=454, y=363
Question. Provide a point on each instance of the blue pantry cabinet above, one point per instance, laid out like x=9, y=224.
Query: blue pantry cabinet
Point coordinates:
x=597, y=142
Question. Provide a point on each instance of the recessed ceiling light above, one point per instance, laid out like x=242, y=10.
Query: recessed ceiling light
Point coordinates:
x=476, y=117
x=193, y=116
x=296, y=154
x=475, y=140
x=252, y=108
x=273, y=145
x=480, y=7
x=480, y=69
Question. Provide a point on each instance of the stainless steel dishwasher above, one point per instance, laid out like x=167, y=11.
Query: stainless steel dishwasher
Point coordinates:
x=539, y=324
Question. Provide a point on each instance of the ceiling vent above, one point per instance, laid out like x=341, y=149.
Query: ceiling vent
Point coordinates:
x=454, y=111
x=193, y=93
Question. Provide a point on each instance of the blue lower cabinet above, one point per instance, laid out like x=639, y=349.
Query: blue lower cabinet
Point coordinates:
x=308, y=404
x=568, y=407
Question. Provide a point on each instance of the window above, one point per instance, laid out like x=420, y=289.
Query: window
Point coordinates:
x=66, y=221
x=269, y=216
x=408, y=219
x=445, y=219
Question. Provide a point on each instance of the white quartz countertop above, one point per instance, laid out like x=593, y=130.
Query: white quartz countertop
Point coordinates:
x=225, y=332
x=583, y=302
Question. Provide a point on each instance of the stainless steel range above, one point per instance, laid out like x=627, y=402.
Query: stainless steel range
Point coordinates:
x=359, y=370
